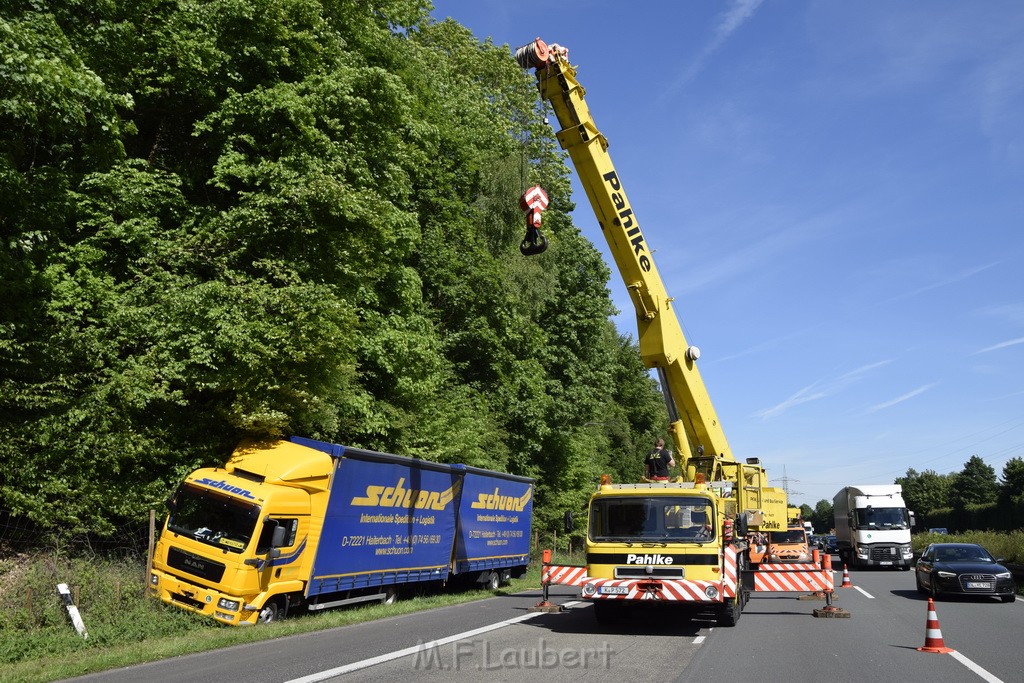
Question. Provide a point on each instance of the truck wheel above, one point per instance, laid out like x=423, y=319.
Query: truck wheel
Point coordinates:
x=270, y=613
x=493, y=581
x=729, y=612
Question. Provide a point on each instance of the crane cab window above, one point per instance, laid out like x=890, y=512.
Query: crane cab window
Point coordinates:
x=663, y=518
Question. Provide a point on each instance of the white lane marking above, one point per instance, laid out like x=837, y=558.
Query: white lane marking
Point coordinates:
x=869, y=595
x=975, y=668
x=356, y=666
x=698, y=640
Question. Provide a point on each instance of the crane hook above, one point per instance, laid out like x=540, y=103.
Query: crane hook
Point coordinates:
x=533, y=202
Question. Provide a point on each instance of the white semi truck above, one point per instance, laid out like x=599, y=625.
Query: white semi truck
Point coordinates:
x=873, y=526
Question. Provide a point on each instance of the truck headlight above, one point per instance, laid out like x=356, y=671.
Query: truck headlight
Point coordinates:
x=153, y=579
x=589, y=589
x=711, y=592
x=230, y=605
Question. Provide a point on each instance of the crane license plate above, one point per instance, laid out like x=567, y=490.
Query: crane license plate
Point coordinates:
x=614, y=590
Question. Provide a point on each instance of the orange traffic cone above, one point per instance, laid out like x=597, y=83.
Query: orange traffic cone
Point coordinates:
x=846, y=578
x=933, y=634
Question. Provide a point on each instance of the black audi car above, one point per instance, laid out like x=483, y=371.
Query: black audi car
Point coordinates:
x=963, y=568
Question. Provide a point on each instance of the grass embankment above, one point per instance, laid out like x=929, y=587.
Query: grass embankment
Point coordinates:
x=1006, y=544
x=38, y=642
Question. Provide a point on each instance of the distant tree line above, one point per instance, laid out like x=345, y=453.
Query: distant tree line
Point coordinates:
x=225, y=219
x=971, y=499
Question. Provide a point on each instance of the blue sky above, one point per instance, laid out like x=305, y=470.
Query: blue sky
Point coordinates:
x=835, y=195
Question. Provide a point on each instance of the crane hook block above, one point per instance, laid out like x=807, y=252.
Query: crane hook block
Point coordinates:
x=533, y=202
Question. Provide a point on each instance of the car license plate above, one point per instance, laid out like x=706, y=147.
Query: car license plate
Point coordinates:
x=979, y=584
x=885, y=562
x=614, y=590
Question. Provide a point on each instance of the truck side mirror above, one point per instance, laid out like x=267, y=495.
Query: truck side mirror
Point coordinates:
x=741, y=526
x=569, y=523
x=277, y=539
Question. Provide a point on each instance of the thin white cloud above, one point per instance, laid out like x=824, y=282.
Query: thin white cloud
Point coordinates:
x=814, y=392
x=900, y=399
x=804, y=395
x=1001, y=345
x=958, y=277
x=738, y=13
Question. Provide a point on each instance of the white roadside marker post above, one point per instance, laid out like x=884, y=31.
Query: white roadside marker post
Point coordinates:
x=69, y=603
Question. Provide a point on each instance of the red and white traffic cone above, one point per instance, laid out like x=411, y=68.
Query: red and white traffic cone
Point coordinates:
x=846, y=578
x=933, y=634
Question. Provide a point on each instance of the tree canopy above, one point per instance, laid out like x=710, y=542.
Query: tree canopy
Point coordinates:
x=235, y=218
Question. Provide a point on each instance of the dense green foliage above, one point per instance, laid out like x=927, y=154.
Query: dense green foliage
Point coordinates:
x=231, y=218
x=970, y=499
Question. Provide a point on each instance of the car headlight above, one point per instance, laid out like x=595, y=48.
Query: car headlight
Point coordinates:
x=1003, y=575
x=230, y=605
x=946, y=575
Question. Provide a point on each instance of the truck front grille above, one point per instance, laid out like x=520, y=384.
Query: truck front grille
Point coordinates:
x=655, y=573
x=884, y=554
x=195, y=565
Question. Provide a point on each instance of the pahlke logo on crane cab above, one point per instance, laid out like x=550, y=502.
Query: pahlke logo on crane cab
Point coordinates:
x=398, y=496
x=636, y=238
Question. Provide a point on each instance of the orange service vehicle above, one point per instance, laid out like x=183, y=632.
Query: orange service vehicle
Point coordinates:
x=789, y=546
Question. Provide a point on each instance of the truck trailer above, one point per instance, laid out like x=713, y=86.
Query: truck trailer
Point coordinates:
x=873, y=526
x=306, y=524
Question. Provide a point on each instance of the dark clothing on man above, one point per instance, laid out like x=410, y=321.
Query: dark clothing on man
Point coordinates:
x=657, y=463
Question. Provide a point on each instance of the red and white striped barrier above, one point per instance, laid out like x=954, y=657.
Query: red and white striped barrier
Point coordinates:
x=564, y=575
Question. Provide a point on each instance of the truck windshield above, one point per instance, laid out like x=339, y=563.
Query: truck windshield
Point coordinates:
x=659, y=518
x=212, y=518
x=883, y=518
x=787, y=536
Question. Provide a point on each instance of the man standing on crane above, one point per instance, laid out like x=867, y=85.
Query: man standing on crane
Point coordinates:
x=658, y=462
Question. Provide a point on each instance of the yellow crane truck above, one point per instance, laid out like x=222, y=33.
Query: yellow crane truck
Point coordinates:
x=693, y=542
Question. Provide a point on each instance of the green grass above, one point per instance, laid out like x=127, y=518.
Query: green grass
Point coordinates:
x=1006, y=544
x=125, y=626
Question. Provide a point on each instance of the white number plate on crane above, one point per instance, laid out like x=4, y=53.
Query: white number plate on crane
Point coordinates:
x=614, y=590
